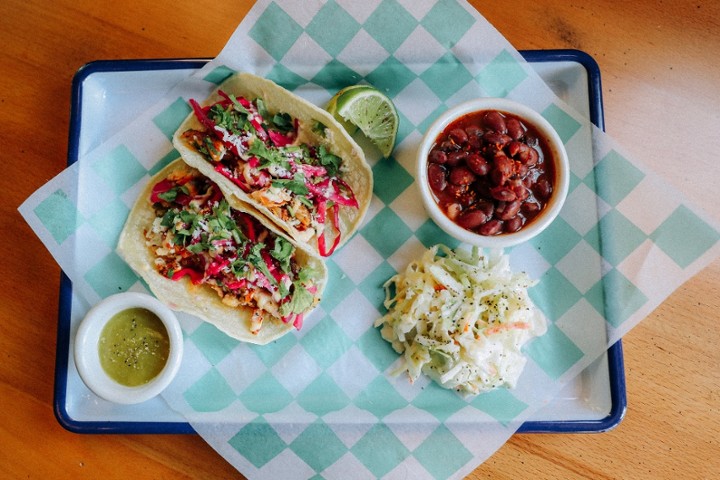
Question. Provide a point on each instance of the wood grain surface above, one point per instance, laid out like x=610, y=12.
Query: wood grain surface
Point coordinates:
x=660, y=70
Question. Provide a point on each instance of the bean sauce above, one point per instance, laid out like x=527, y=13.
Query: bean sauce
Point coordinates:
x=491, y=172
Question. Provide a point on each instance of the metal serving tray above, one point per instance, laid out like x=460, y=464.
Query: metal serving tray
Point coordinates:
x=106, y=95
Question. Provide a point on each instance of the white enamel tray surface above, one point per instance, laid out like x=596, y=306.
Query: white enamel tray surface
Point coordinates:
x=108, y=95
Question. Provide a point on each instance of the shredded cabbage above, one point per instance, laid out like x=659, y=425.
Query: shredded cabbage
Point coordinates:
x=461, y=318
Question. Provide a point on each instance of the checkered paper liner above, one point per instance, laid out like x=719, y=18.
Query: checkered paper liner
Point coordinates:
x=318, y=403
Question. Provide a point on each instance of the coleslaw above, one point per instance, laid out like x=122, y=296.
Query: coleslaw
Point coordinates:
x=461, y=318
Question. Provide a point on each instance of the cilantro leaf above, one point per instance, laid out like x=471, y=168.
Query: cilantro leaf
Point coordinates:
x=170, y=195
x=282, y=252
x=328, y=160
x=255, y=257
x=295, y=184
x=283, y=122
x=268, y=156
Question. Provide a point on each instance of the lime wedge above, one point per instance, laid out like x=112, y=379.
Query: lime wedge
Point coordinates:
x=332, y=110
x=371, y=111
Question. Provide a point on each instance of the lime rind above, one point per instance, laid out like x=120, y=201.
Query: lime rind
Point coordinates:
x=332, y=110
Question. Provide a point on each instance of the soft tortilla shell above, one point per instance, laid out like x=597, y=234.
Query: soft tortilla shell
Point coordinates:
x=356, y=171
x=201, y=300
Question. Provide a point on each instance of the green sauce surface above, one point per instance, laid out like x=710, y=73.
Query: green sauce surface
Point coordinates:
x=133, y=347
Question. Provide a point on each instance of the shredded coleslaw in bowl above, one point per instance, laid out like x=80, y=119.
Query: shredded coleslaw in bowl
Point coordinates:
x=461, y=318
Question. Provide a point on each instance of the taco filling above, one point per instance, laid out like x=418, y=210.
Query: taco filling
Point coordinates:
x=196, y=234
x=263, y=155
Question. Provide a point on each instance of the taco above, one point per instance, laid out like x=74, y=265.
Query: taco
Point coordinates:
x=207, y=255
x=282, y=155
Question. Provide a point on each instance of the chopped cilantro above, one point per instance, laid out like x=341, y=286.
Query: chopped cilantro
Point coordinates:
x=283, y=122
x=330, y=161
x=197, y=247
x=234, y=120
x=221, y=117
x=282, y=252
x=255, y=257
x=295, y=184
x=170, y=195
x=268, y=156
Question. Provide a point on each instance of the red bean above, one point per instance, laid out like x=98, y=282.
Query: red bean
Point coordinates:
x=503, y=164
x=458, y=136
x=513, y=148
x=473, y=131
x=471, y=219
x=438, y=156
x=495, y=122
x=503, y=194
x=461, y=175
x=491, y=227
x=497, y=139
x=513, y=225
x=477, y=164
x=437, y=177
x=530, y=209
x=454, y=158
x=474, y=134
x=487, y=207
x=521, y=191
x=529, y=156
x=542, y=188
x=515, y=129
x=475, y=142
x=507, y=210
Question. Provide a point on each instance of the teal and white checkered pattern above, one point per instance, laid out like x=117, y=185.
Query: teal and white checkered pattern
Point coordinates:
x=318, y=403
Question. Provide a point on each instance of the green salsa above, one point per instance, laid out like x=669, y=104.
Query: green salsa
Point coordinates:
x=134, y=347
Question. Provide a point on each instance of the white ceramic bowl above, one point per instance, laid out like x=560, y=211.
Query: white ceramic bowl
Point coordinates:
x=87, y=357
x=560, y=184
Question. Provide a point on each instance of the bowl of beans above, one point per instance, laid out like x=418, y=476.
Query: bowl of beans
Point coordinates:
x=492, y=172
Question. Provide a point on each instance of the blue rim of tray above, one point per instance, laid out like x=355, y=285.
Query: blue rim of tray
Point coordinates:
x=614, y=354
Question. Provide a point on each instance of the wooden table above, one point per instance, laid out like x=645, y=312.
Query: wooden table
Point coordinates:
x=660, y=70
